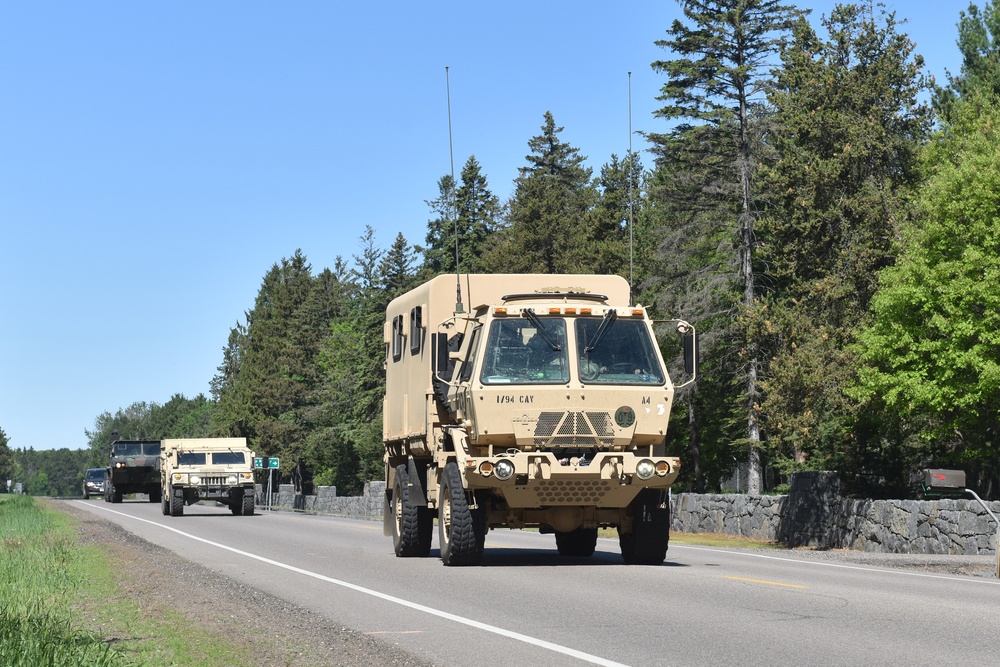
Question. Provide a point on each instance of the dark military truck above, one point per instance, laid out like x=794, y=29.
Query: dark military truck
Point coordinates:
x=134, y=467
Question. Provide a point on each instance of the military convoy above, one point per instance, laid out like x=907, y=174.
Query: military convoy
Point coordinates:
x=545, y=405
x=219, y=469
x=179, y=472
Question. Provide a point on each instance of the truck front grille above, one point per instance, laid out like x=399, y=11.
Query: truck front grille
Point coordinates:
x=212, y=481
x=582, y=492
x=576, y=429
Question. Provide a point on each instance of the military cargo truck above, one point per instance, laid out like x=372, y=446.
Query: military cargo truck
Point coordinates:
x=545, y=405
x=134, y=468
x=219, y=469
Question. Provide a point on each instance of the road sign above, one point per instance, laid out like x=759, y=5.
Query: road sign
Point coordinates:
x=264, y=462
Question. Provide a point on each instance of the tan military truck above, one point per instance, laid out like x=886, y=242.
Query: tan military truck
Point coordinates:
x=543, y=403
x=219, y=469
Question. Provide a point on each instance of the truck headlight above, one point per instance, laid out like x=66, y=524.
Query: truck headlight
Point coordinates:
x=645, y=469
x=231, y=480
x=662, y=468
x=180, y=478
x=504, y=469
x=195, y=479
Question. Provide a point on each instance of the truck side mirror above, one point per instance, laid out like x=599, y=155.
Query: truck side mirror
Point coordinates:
x=440, y=353
x=690, y=343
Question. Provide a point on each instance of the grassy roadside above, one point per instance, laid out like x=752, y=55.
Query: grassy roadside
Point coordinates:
x=63, y=604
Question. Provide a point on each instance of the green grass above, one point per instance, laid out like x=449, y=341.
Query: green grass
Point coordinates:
x=62, y=604
x=721, y=540
x=41, y=573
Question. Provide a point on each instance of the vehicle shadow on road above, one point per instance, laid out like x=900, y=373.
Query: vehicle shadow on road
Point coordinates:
x=513, y=557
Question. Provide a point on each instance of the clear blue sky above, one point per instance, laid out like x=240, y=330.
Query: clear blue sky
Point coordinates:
x=157, y=158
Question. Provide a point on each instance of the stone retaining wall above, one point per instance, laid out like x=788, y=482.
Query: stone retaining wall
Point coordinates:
x=814, y=515
x=326, y=500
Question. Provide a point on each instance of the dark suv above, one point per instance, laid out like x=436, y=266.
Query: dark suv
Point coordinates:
x=93, y=482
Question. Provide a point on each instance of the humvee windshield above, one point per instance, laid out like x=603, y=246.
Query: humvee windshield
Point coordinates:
x=191, y=459
x=228, y=458
x=218, y=458
x=622, y=353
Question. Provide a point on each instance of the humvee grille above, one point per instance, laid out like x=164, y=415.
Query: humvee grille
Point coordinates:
x=582, y=492
x=213, y=481
x=564, y=429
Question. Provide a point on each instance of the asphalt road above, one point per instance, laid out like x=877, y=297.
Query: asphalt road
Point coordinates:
x=527, y=606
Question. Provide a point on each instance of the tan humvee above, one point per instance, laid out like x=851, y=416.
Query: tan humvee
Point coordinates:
x=219, y=469
x=545, y=404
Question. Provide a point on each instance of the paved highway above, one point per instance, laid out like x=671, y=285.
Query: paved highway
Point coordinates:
x=527, y=606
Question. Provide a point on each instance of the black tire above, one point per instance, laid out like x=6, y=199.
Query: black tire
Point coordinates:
x=577, y=543
x=176, y=504
x=247, y=504
x=116, y=494
x=236, y=502
x=412, y=525
x=647, y=543
x=165, y=506
x=461, y=530
x=86, y=496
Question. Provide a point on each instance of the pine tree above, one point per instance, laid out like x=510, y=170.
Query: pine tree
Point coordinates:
x=548, y=212
x=717, y=84
x=979, y=43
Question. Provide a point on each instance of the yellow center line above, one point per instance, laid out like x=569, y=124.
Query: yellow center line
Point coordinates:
x=761, y=581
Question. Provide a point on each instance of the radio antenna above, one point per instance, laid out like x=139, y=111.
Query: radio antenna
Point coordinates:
x=628, y=175
x=454, y=215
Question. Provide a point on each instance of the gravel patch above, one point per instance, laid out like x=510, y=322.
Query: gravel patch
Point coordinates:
x=290, y=636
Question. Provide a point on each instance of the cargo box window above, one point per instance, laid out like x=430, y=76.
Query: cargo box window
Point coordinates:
x=416, y=328
x=520, y=352
x=397, y=337
x=228, y=458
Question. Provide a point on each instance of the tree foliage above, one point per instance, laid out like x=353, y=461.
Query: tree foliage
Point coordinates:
x=931, y=355
x=851, y=127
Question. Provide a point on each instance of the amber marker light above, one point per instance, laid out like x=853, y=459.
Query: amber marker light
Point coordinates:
x=586, y=311
x=662, y=468
x=637, y=312
x=553, y=311
x=500, y=310
x=570, y=311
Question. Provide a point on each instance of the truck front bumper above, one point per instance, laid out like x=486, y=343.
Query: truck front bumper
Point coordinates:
x=539, y=479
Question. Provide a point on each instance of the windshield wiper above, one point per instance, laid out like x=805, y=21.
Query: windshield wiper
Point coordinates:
x=553, y=343
x=609, y=319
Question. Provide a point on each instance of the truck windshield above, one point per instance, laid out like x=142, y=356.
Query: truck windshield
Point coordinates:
x=622, y=354
x=127, y=449
x=519, y=351
x=228, y=458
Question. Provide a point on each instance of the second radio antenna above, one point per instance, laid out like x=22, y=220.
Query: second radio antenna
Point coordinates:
x=454, y=215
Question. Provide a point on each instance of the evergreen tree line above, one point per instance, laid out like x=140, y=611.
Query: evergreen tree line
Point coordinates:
x=824, y=212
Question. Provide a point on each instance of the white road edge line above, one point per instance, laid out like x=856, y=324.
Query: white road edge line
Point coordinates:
x=880, y=570
x=510, y=634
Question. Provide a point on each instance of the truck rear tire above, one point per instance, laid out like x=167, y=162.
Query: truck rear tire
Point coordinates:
x=165, y=506
x=116, y=494
x=650, y=536
x=412, y=525
x=462, y=530
x=577, y=543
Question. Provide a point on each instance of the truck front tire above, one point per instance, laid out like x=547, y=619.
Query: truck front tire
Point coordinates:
x=650, y=536
x=462, y=530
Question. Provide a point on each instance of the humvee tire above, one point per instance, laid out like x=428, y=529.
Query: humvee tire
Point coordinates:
x=176, y=504
x=248, y=503
x=165, y=506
